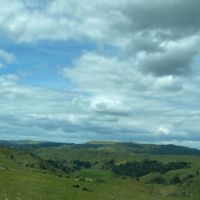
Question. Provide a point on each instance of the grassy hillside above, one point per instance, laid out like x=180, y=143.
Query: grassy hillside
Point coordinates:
x=99, y=155
x=44, y=186
x=109, y=146
x=12, y=159
x=45, y=183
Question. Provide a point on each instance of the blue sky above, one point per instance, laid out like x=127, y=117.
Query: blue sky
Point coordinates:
x=74, y=71
x=40, y=60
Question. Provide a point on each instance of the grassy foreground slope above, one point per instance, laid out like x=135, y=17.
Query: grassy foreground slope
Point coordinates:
x=33, y=184
x=17, y=182
x=26, y=185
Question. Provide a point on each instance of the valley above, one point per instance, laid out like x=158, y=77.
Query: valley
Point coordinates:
x=98, y=170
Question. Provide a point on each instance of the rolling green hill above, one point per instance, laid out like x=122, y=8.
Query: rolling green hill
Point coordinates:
x=95, y=160
x=109, y=146
x=27, y=185
x=13, y=159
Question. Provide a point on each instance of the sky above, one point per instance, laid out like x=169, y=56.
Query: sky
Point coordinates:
x=81, y=70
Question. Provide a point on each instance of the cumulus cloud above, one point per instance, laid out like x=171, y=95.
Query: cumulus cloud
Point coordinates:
x=178, y=59
x=161, y=33
x=124, y=20
x=108, y=106
x=168, y=83
x=27, y=111
x=119, y=89
x=96, y=73
x=163, y=130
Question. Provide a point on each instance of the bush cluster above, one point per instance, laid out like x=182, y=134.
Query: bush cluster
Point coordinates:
x=137, y=169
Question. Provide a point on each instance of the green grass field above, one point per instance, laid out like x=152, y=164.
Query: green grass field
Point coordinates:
x=26, y=185
x=89, y=173
x=19, y=182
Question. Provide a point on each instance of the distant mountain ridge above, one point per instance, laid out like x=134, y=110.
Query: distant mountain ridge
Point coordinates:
x=5, y=143
x=174, y=150
x=101, y=145
x=18, y=143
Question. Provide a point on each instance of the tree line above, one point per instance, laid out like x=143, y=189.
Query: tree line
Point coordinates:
x=82, y=163
x=56, y=164
x=137, y=169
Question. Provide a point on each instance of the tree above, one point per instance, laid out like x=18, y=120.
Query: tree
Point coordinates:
x=190, y=176
x=11, y=156
x=197, y=173
x=175, y=180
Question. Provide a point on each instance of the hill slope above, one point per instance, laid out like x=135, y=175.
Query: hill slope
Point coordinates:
x=15, y=176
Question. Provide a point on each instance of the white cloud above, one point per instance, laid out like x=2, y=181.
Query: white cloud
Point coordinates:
x=109, y=106
x=100, y=74
x=119, y=23
x=8, y=57
x=164, y=47
x=177, y=59
x=24, y=73
x=27, y=111
x=163, y=130
x=168, y=83
x=146, y=90
x=140, y=102
x=11, y=77
x=2, y=66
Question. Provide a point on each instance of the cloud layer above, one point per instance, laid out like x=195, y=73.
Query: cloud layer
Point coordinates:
x=140, y=84
x=164, y=34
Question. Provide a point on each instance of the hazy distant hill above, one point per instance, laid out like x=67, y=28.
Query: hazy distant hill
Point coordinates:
x=174, y=150
x=7, y=144
x=15, y=143
x=49, y=144
x=109, y=146
x=26, y=141
x=20, y=143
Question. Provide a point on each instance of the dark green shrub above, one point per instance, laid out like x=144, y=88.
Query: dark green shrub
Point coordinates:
x=175, y=180
x=158, y=180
